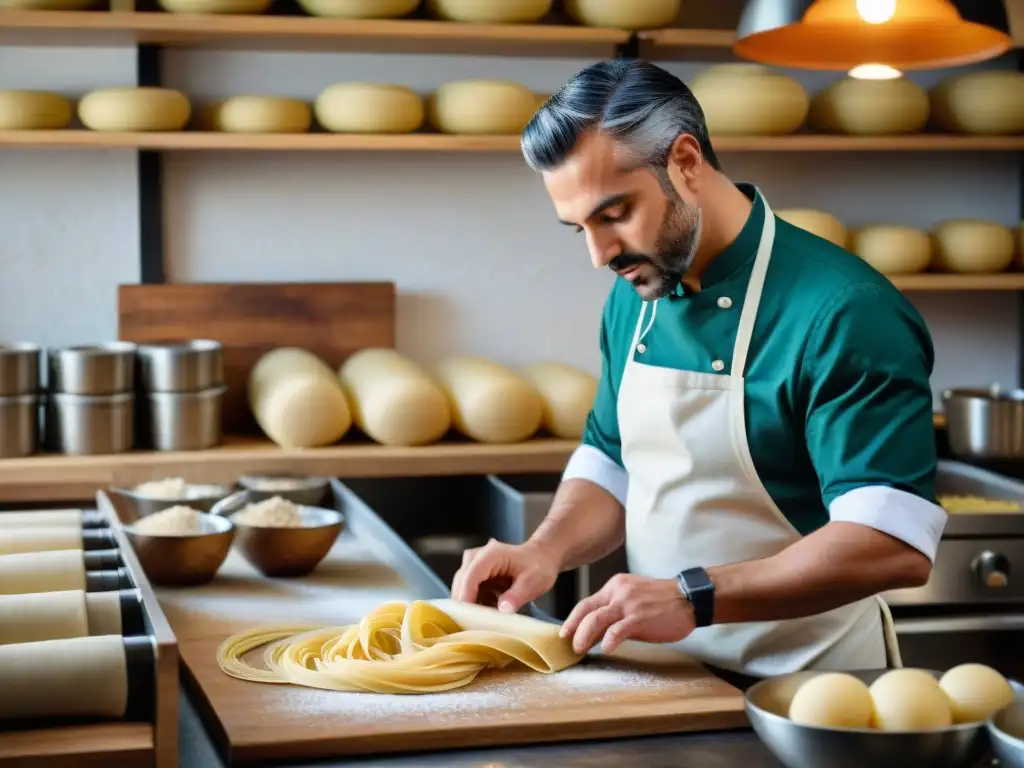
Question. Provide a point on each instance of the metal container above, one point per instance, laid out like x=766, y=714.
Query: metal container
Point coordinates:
x=200, y=497
x=19, y=426
x=298, y=489
x=184, y=421
x=190, y=366
x=103, y=369
x=184, y=561
x=90, y=424
x=20, y=365
x=1006, y=731
x=985, y=423
x=802, y=746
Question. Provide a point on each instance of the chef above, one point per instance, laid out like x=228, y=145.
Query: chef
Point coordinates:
x=762, y=436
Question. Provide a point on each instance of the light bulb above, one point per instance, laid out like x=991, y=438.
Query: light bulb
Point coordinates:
x=876, y=11
x=875, y=72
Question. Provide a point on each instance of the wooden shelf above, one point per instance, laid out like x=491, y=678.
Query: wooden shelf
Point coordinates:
x=433, y=142
x=1003, y=281
x=106, y=28
x=53, y=477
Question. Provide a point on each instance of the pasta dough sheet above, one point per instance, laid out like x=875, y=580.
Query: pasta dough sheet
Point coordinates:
x=41, y=539
x=103, y=610
x=400, y=648
x=52, y=571
x=50, y=616
x=80, y=676
x=61, y=518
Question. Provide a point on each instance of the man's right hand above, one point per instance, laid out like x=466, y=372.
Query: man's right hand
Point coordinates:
x=509, y=575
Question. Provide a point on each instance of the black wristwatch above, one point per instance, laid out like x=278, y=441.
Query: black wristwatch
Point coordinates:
x=696, y=585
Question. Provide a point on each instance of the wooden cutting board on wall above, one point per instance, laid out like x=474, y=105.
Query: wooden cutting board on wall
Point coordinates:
x=332, y=320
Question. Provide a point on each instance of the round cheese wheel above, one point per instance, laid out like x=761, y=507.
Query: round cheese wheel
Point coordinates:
x=359, y=9
x=297, y=399
x=817, y=222
x=256, y=114
x=909, y=700
x=749, y=100
x=34, y=111
x=394, y=400
x=134, y=109
x=624, y=14
x=893, y=249
x=870, y=107
x=972, y=245
x=491, y=11
x=567, y=395
x=490, y=403
x=832, y=700
x=215, y=6
x=481, y=107
x=975, y=692
x=986, y=103
x=369, y=108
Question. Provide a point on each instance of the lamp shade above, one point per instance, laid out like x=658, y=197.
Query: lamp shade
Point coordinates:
x=843, y=34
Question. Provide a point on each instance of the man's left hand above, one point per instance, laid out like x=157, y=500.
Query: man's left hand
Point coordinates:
x=630, y=607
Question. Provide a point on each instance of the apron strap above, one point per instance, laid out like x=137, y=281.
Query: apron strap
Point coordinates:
x=755, y=287
x=640, y=331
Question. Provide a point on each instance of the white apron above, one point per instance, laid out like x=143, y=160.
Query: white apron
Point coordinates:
x=695, y=499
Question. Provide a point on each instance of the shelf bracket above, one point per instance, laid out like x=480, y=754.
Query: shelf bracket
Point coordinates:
x=629, y=49
x=150, y=175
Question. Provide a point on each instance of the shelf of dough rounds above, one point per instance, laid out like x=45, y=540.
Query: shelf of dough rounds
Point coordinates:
x=57, y=477
x=926, y=281
x=299, y=33
x=436, y=142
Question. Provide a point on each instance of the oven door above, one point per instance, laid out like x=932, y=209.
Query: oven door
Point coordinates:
x=941, y=642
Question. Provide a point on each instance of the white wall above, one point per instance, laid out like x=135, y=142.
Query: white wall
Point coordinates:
x=471, y=240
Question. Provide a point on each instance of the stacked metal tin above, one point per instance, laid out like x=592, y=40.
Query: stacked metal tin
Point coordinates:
x=20, y=365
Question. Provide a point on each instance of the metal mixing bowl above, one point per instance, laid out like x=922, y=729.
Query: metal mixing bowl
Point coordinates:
x=184, y=561
x=1006, y=731
x=308, y=491
x=802, y=746
x=144, y=506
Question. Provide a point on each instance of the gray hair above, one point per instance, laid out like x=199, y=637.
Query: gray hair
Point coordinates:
x=635, y=102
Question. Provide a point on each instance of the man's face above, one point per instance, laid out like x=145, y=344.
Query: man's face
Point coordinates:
x=635, y=221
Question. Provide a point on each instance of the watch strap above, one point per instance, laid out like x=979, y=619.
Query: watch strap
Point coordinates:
x=698, y=588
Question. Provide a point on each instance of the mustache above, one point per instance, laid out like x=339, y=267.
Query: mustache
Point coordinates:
x=627, y=260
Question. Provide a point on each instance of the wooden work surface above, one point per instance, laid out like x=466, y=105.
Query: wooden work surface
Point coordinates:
x=332, y=320
x=660, y=692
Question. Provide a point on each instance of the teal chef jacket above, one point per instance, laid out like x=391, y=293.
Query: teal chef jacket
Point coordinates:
x=837, y=395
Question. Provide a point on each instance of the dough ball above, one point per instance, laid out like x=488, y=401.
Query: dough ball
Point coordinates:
x=624, y=14
x=34, y=111
x=369, y=108
x=909, y=700
x=481, y=107
x=749, y=100
x=490, y=403
x=870, y=107
x=297, y=399
x=817, y=223
x=491, y=11
x=975, y=692
x=567, y=394
x=256, y=114
x=893, y=249
x=359, y=9
x=832, y=700
x=134, y=109
x=986, y=103
x=218, y=7
x=972, y=246
x=394, y=400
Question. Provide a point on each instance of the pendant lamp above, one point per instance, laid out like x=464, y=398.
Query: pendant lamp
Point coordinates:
x=872, y=36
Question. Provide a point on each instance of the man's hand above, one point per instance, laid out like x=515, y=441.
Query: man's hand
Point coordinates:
x=630, y=607
x=507, y=574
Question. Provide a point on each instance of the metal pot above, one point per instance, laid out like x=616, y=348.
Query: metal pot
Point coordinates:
x=189, y=366
x=83, y=424
x=985, y=423
x=103, y=369
x=19, y=426
x=19, y=369
x=185, y=421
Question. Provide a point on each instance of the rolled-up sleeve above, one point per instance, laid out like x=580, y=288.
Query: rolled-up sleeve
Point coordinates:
x=869, y=425
x=599, y=456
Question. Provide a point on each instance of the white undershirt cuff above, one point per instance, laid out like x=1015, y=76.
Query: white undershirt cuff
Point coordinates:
x=902, y=515
x=589, y=463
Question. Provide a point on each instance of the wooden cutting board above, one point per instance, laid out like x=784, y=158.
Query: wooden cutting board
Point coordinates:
x=332, y=320
x=640, y=690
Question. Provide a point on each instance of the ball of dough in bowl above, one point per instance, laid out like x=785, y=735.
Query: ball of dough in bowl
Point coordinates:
x=490, y=403
x=256, y=114
x=34, y=111
x=369, y=108
x=975, y=692
x=893, y=249
x=818, y=223
x=567, y=394
x=832, y=700
x=394, y=400
x=909, y=700
x=984, y=103
x=481, y=107
x=624, y=14
x=870, y=107
x=134, y=109
x=491, y=11
x=972, y=246
x=359, y=9
x=749, y=100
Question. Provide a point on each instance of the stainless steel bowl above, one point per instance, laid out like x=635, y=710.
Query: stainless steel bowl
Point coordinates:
x=298, y=489
x=19, y=426
x=802, y=746
x=143, y=506
x=985, y=423
x=102, y=369
x=20, y=365
x=184, y=421
x=183, y=561
x=1006, y=732
x=189, y=366
x=90, y=424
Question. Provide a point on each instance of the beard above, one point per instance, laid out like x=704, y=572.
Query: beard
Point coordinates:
x=674, y=251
